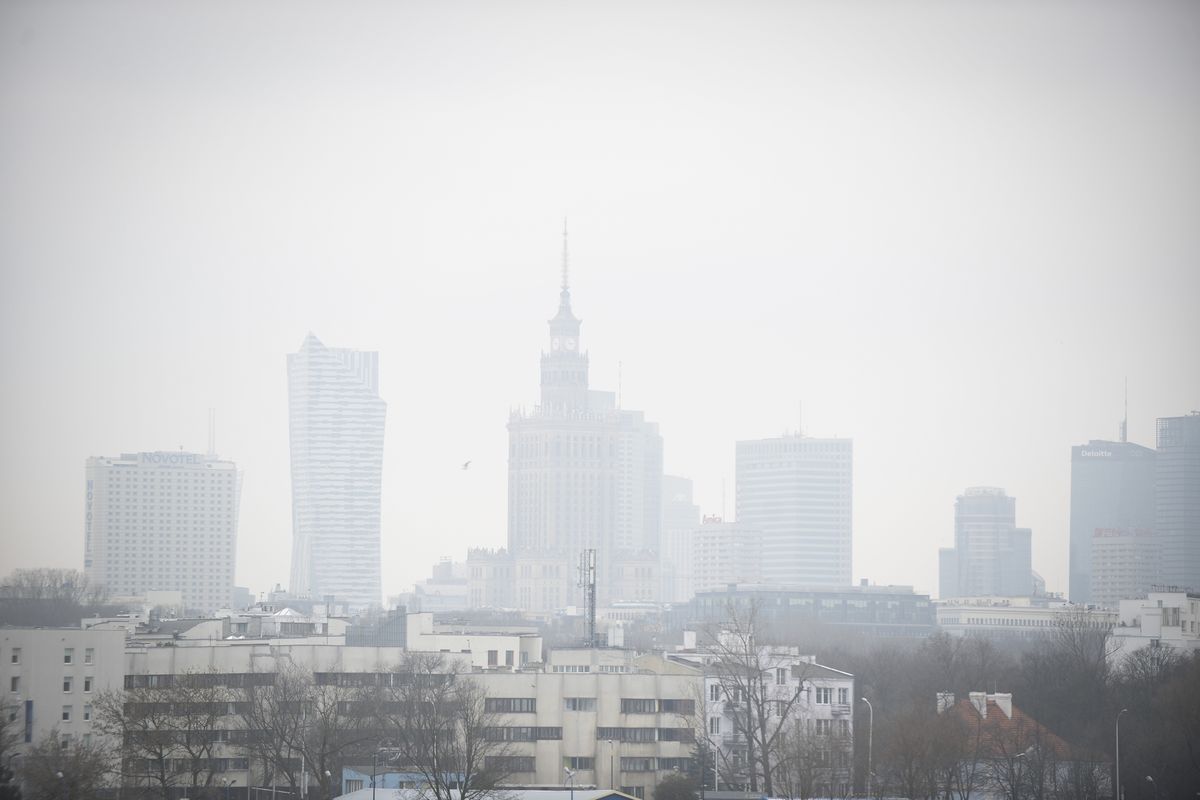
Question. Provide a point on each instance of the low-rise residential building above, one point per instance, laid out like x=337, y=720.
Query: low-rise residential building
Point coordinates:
x=51, y=676
x=1016, y=617
x=1161, y=619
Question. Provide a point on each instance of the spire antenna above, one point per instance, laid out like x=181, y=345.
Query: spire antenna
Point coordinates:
x=565, y=260
x=1125, y=419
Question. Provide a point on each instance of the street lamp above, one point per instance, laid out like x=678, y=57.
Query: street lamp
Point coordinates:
x=570, y=780
x=67, y=792
x=870, y=737
x=612, y=775
x=1118, y=737
x=1155, y=785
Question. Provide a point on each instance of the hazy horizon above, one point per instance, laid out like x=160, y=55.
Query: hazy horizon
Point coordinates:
x=949, y=231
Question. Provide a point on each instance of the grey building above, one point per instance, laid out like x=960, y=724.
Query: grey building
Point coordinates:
x=582, y=474
x=798, y=491
x=991, y=555
x=166, y=520
x=681, y=517
x=1177, y=500
x=335, y=422
x=1112, y=522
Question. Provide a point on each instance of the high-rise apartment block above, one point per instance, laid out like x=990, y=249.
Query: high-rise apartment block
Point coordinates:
x=582, y=474
x=725, y=553
x=1113, y=554
x=163, y=521
x=797, y=491
x=336, y=421
x=1177, y=501
x=991, y=555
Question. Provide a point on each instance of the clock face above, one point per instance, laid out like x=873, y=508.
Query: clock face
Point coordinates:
x=570, y=344
x=555, y=344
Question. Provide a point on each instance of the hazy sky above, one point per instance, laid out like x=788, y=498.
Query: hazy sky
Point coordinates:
x=950, y=229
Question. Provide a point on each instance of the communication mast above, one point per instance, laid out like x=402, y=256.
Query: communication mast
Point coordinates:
x=587, y=580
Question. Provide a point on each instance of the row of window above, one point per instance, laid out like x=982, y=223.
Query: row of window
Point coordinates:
x=628, y=763
x=14, y=684
x=89, y=655
x=646, y=734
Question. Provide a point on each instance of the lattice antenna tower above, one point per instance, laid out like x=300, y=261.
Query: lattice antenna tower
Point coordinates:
x=587, y=580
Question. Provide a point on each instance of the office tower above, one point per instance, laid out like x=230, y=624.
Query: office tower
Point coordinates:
x=1177, y=501
x=582, y=474
x=681, y=517
x=725, y=553
x=1112, y=522
x=797, y=490
x=991, y=555
x=336, y=420
x=163, y=521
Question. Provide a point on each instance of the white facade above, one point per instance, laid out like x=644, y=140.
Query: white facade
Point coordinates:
x=163, y=521
x=797, y=490
x=1161, y=619
x=336, y=422
x=1017, y=617
x=725, y=552
x=51, y=676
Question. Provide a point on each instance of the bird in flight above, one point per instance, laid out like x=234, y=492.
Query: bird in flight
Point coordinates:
x=466, y=465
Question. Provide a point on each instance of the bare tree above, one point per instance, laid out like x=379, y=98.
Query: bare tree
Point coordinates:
x=747, y=671
x=170, y=732
x=10, y=736
x=300, y=725
x=436, y=717
x=58, y=767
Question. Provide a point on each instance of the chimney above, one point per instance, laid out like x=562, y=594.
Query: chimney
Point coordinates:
x=979, y=700
x=945, y=701
x=1004, y=701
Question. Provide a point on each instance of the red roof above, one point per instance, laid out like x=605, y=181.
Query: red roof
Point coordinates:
x=1002, y=736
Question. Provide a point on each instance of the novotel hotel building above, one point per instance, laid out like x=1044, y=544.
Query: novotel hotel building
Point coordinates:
x=163, y=521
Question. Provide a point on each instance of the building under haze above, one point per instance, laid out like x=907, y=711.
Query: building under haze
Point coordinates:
x=797, y=491
x=991, y=555
x=336, y=421
x=582, y=474
x=680, y=518
x=1112, y=522
x=163, y=521
x=1177, y=500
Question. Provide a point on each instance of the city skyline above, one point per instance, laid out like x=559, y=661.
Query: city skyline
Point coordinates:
x=776, y=209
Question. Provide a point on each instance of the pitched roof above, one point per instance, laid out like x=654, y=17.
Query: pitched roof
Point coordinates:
x=1005, y=736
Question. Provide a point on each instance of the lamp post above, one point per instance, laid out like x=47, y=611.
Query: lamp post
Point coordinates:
x=570, y=780
x=612, y=775
x=67, y=792
x=1118, y=758
x=870, y=737
x=1155, y=785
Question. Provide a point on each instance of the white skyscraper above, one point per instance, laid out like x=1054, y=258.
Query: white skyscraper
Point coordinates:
x=798, y=491
x=336, y=424
x=163, y=521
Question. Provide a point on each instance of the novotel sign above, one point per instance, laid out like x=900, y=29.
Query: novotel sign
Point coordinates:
x=170, y=459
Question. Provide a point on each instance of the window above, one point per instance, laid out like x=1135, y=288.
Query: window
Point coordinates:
x=14, y=684
x=677, y=706
x=16, y=655
x=508, y=658
x=87, y=683
x=579, y=703
x=579, y=762
x=781, y=675
x=509, y=763
x=824, y=695
x=353, y=785
x=682, y=764
x=637, y=764
x=493, y=658
x=66, y=714
x=65, y=742
x=824, y=727
x=511, y=705
x=87, y=713
x=637, y=705
x=714, y=724
x=67, y=684
x=69, y=655
x=89, y=655
x=843, y=696
x=714, y=692
x=843, y=727
x=676, y=735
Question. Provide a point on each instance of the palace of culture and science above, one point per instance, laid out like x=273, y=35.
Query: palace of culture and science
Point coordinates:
x=583, y=474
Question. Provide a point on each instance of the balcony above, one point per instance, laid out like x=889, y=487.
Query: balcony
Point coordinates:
x=841, y=709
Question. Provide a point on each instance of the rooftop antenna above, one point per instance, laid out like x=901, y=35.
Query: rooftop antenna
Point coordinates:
x=800, y=418
x=722, y=499
x=587, y=580
x=1125, y=420
x=212, y=432
x=620, y=375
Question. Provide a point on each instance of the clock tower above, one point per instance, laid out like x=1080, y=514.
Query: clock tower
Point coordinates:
x=565, y=366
